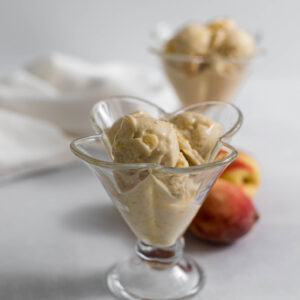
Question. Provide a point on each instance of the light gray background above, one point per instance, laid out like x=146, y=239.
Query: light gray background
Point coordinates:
x=110, y=29
x=58, y=231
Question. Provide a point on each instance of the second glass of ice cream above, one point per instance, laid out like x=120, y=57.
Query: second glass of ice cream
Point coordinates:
x=207, y=62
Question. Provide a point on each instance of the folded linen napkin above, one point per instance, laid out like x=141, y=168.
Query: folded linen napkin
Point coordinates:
x=29, y=145
x=62, y=89
x=49, y=100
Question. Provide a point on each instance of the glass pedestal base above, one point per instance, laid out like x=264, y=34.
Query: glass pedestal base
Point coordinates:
x=139, y=278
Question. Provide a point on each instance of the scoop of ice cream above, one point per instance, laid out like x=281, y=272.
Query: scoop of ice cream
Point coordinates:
x=219, y=29
x=227, y=39
x=194, y=39
x=237, y=43
x=139, y=138
x=112, y=131
x=200, y=134
x=187, y=139
x=221, y=37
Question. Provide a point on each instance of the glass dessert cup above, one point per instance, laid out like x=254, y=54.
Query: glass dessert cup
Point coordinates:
x=157, y=202
x=199, y=79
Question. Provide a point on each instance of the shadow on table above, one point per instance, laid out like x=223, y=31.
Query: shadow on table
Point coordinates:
x=51, y=286
x=195, y=245
x=97, y=219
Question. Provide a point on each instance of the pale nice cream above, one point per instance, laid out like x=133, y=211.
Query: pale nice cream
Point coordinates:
x=157, y=204
x=217, y=57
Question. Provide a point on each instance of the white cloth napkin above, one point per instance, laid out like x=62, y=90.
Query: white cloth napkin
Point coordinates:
x=45, y=103
x=29, y=145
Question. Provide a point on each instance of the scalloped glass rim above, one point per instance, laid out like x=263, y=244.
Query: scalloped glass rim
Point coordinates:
x=193, y=169
x=202, y=59
x=121, y=166
x=157, y=48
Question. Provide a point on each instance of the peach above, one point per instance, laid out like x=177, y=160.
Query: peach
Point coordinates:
x=243, y=172
x=226, y=214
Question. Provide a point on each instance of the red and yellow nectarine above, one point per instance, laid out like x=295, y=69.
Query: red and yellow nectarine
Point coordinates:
x=226, y=214
x=243, y=172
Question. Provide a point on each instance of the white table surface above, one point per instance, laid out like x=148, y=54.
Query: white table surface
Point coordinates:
x=59, y=232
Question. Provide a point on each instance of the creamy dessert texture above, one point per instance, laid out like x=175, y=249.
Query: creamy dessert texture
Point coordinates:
x=216, y=59
x=158, y=203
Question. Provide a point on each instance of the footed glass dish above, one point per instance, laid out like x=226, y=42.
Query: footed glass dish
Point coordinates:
x=157, y=202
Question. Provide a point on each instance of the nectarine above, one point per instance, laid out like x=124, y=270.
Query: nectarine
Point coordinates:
x=226, y=214
x=243, y=172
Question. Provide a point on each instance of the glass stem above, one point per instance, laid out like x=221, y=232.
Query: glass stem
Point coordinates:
x=160, y=257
